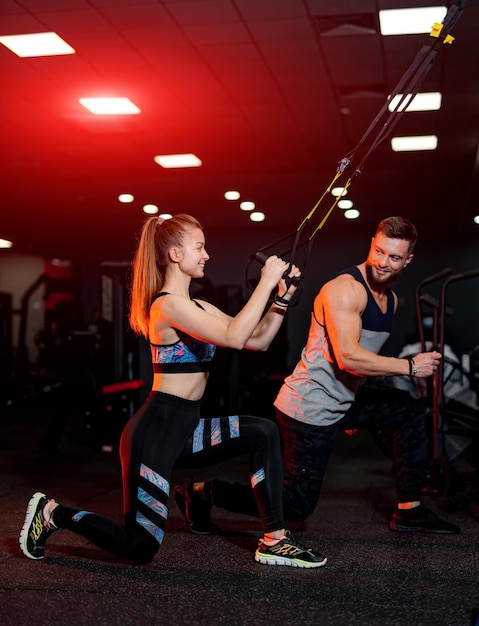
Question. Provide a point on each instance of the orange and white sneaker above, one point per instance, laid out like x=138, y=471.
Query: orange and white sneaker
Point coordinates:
x=288, y=551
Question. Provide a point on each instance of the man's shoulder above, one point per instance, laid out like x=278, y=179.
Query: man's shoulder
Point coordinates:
x=344, y=280
x=342, y=291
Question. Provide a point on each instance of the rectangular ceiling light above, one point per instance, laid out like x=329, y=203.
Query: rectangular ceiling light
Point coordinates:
x=36, y=45
x=427, y=101
x=410, y=21
x=110, y=106
x=177, y=160
x=414, y=144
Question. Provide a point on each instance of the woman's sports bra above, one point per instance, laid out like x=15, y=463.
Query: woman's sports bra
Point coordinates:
x=185, y=356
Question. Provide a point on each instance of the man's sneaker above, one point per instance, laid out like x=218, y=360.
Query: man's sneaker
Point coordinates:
x=36, y=529
x=195, y=510
x=421, y=520
x=288, y=552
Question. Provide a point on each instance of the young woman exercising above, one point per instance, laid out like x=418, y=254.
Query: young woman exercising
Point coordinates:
x=167, y=430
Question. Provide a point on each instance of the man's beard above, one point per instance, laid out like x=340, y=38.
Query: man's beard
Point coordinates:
x=379, y=283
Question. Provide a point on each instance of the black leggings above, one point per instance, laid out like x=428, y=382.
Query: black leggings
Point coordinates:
x=165, y=432
x=307, y=449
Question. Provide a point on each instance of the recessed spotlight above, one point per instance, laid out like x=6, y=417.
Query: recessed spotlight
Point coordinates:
x=232, y=195
x=5, y=243
x=351, y=214
x=338, y=191
x=247, y=205
x=126, y=198
x=345, y=204
x=150, y=209
x=257, y=216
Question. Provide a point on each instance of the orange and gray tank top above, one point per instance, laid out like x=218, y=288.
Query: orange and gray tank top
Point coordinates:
x=318, y=392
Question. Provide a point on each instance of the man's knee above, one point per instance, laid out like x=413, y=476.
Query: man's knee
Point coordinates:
x=297, y=511
x=300, y=499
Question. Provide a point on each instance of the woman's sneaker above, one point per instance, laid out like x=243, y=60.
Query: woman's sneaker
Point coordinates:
x=288, y=551
x=36, y=529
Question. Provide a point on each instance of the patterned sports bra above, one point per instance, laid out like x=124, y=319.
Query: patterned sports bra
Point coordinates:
x=185, y=356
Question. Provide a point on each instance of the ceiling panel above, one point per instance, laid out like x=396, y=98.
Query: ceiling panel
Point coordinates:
x=270, y=94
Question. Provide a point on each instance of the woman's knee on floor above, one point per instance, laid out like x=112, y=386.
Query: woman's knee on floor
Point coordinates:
x=143, y=548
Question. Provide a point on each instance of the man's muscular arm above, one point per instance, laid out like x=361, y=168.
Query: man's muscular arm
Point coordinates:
x=339, y=305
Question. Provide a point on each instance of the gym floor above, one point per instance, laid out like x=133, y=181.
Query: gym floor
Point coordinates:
x=373, y=577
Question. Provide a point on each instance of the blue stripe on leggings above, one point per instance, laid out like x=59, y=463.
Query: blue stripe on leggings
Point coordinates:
x=157, y=507
x=257, y=477
x=198, y=436
x=154, y=478
x=152, y=503
x=234, y=426
x=215, y=431
x=80, y=515
x=156, y=532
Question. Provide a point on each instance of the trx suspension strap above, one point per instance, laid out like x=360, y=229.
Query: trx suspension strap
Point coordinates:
x=386, y=119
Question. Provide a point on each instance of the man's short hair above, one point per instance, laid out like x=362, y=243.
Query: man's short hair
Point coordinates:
x=397, y=227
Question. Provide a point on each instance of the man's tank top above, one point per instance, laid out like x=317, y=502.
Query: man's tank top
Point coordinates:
x=184, y=356
x=318, y=392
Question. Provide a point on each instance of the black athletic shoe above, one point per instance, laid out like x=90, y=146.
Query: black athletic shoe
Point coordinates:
x=36, y=529
x=290, y=552
x=421, y=520
x=195, y=510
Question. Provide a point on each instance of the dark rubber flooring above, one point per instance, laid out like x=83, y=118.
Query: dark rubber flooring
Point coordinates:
x=374, y=577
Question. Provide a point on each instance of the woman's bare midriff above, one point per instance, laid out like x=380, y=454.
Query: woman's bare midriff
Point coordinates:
x=187, y=386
